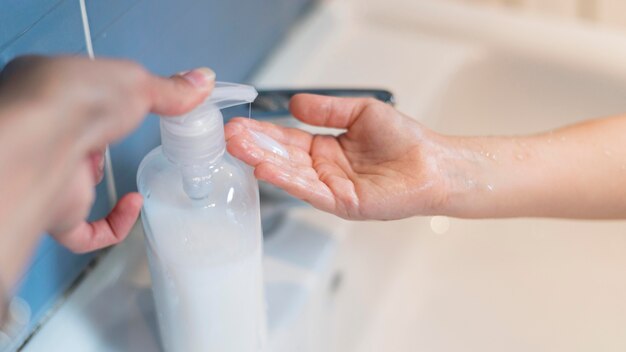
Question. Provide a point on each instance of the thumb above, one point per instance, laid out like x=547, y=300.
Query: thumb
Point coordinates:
x=180, y=93
x=327, y=111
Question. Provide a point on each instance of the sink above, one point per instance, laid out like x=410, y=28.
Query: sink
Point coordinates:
x=495, y=93
x=520, y=284
x=471, y=285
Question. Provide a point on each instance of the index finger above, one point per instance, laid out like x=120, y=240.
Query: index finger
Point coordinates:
x=180, y=93
x=285, y=135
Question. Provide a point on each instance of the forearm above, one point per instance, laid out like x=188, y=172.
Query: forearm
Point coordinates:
x=575, y=172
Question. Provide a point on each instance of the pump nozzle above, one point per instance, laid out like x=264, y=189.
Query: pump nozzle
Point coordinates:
x=227, y=94
x=196, y=139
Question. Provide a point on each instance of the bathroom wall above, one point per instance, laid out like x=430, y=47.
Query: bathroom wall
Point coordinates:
x=605, y=12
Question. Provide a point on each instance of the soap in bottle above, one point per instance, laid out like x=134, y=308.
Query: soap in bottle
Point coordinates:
x=203, y=233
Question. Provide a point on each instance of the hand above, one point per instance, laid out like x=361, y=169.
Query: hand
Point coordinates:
x=57, y=116
x=385, y=166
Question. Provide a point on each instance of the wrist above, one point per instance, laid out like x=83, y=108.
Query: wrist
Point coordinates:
x=467, y=169
x=440, y=162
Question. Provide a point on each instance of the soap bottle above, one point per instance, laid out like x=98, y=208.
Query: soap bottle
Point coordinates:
x=203, y=233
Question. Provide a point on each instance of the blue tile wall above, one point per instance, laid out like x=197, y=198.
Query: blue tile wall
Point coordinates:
x=17, y=16
x=230, y=36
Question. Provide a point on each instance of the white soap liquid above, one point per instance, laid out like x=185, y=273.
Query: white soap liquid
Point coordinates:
x=208, y=309
x=268, y=143
x=206, y=272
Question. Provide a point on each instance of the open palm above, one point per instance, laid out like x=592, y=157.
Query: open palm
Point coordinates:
x=382, y=167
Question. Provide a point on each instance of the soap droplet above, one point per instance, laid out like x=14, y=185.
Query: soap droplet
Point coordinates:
x=490, y=188
x=268, y=143
x=440, y=224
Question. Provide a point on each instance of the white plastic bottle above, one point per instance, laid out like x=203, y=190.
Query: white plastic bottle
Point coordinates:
x=203, y=231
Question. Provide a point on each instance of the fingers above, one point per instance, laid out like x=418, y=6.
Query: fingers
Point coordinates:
x=243, y=147
x=284, y=135
x=137, y=92
x=294, y=174
x=325, y=111
x=180, y=93
x=293, y=181
x=102, y=233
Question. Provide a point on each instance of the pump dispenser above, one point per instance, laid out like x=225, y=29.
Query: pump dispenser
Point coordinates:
x=195, y=140
x=203, y=233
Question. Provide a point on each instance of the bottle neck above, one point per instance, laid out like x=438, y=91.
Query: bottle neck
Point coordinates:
x=196, y=180
x=194, y=145
x=196, y=140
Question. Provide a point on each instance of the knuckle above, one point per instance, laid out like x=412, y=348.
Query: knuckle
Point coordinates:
x=369, y=101
x=134, y=87
x=374, y=104
x=134, y=73
x=137, y=73
x=374, y=107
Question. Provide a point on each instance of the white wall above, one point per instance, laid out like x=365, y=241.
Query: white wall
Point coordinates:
x=608, y=12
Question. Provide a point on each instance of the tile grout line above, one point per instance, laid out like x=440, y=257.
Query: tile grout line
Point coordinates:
x=108, y=164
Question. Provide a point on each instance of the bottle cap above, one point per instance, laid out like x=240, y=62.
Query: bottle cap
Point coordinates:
x=197, y=137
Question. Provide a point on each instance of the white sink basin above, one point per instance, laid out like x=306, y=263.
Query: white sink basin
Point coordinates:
x=505, y=285
x=502, y=94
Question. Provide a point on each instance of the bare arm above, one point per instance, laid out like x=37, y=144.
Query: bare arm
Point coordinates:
x=387, y=166
x=574, y=172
